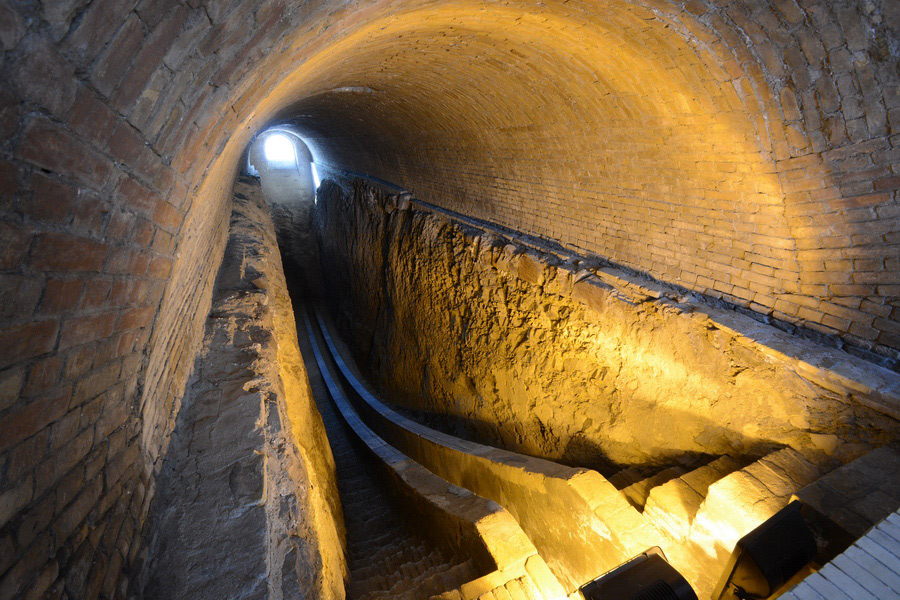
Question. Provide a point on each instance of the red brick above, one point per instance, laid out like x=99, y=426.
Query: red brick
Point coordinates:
x=96, y=383
x=34, y=520
x=143, y=233
x=126, y=144
x=14, y=243
x=163, y=242
x=32, y=418
x=75, y=515
x=27, y=341
x=160, y=268
x=13, y=582
x=62, y=252
x=167, y=216
x=91, y=118
x=226, y=73
x=50, y=201
x=79, y=361
x=121, y=261
x=96, y=293
x=90, y=212
x=44, y=375
x=51, y=147
x=63, y=460
x=120, y=226
x=11, y=112
x=60, y=296
x=135, y=196
x=11, y=381
x=114, y=415
x=887, y=183
x=18, y=295
x=44, y=77
x=12, y=27
x=9, y=185
x=81, y=330
x=117, y=58
x=94, y=29
x=65, y=429
x=126, y=343
x=149, y=57
x=120, y=292
x=136, y=318
x=90, y=411
x=138, y=294
x=24, y=457
x=163, y=179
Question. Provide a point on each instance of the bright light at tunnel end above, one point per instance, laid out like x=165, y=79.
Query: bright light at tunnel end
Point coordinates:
x=279, y=150
x=315, y=175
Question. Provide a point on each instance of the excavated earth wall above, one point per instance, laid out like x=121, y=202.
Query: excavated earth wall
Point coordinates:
x=247, y=504
x=544, y=352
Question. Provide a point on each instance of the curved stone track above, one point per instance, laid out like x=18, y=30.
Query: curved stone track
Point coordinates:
x=387, y=556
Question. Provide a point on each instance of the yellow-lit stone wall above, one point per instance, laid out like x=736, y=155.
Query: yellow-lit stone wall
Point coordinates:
x=541, y=355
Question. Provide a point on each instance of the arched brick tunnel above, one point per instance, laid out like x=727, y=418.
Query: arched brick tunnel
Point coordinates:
x=744, y=151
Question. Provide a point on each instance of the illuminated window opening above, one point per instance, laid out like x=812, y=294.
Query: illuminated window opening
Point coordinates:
x=279, y=151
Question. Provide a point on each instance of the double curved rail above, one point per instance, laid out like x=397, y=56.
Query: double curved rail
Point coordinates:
x=453, y=517
x=566, y=512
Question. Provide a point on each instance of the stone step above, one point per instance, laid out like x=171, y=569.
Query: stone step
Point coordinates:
x=388, y=560
x=415, y=583
x=673, y=505
x=637, y=493
x=858, y=495
x=631, y=475
x=741, y=501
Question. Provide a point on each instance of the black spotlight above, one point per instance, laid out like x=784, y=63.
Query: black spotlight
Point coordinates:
x=767, y=557
x=647, y=576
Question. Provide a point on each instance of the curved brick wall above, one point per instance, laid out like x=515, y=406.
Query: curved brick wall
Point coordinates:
x=743, y=149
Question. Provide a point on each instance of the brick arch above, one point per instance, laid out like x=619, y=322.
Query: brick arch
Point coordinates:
x=582, y=131
x=815, y=245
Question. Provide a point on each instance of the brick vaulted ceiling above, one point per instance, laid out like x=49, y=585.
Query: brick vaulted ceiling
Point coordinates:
x=744, y=149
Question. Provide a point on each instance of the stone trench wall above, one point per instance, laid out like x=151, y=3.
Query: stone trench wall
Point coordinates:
x=247, y=505
x=542, y=353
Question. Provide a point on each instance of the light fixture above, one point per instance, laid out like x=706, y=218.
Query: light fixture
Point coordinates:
x=767, y=557
x=647, y=576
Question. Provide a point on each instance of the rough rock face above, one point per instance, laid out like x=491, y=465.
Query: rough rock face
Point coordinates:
x=548, y=357
x=247, y=504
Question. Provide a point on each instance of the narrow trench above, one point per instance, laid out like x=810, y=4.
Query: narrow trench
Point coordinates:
x=388, y=556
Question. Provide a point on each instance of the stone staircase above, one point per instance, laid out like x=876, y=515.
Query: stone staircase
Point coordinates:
x=520, y=588
x=856, y=496
x=673, y=505
x=638, y=492
x=386, y=558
